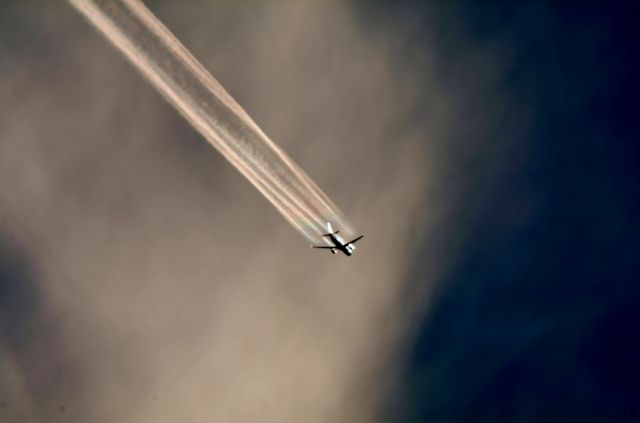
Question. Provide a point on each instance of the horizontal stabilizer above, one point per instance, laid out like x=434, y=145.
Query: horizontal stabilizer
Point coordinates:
x=332, y=233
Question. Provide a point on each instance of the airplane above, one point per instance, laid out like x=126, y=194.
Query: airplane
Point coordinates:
x=338, y=243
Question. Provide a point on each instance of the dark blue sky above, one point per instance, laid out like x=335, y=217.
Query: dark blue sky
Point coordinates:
x=538, y=318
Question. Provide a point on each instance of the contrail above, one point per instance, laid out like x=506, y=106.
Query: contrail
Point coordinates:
x=200, y=98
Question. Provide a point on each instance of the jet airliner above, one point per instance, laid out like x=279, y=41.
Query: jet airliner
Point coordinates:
x=338, y=243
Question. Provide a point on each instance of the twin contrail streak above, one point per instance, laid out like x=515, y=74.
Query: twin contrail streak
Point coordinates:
x=200, y=98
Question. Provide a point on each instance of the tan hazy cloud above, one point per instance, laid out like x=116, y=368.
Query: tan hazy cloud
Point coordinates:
x=171, y=290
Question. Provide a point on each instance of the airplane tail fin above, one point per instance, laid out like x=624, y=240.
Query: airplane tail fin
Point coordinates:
x=330, y=229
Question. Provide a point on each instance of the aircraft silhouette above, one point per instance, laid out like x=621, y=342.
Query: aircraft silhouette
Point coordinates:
x=338, y=243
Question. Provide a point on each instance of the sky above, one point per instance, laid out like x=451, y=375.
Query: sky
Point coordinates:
x=537, y=318
x=488, y=151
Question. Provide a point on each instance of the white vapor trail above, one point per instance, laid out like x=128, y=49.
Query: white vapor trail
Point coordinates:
x=200, y=98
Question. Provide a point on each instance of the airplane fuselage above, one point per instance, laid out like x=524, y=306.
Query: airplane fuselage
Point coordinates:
x=339, y=245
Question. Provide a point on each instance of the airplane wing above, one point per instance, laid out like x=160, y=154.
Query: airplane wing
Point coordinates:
x=355, y=240
x=323, y=247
